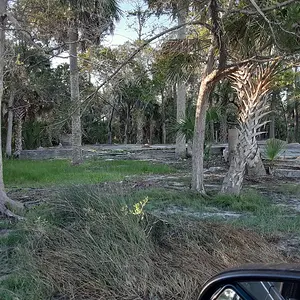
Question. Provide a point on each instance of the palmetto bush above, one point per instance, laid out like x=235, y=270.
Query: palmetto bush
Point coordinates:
x=273, y=148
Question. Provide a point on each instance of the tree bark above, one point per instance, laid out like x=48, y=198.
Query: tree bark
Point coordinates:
x=163, y=118
x=18, y=138
x=109, y=127
x=255, y=166
x=180, y=150
x=5, y=201
x=10, y=122
x=75, y=96
x=232, y=183
x=200, y=120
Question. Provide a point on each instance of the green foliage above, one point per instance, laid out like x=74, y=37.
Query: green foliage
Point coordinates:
x=60, y=172
x=186, y=127
x=273, y=148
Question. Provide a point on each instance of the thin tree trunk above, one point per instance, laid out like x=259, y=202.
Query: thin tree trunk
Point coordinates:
x=272, y=121
x=75, y=96
x=126, y=137
x=10, y=122
x=163, y=117
x=139, y=126
x=4, y=199
x=296, y=122
x=180, y=150
x=110, y=126
x=200, y=120
x=18, y=137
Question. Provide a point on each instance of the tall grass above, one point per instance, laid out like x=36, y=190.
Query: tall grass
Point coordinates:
x=96, y=244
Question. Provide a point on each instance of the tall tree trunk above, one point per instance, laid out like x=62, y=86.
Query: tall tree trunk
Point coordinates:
x=140, y=126
x=18, y=132
x=10, y=122
x=109, y=127
x=180, y=150
x=75, y=96
x=200, y=120
x=126, y=129
x=296, y=126
x=163, y=118
x=5, y=201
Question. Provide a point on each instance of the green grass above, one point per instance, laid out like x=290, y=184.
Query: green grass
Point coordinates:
x=28, y=173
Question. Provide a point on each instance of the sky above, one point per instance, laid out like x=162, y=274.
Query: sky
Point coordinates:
x=124, y=29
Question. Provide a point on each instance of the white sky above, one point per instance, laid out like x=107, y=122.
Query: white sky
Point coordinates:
x=123, y=33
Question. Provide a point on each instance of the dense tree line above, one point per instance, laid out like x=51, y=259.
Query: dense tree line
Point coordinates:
x=226, y=64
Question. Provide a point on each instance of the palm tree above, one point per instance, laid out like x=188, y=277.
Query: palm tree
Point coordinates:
x=91, y=19
x=179, y=10
x=251, y=83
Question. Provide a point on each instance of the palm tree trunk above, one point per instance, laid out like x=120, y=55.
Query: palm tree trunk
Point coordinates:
x=10, y=122
x=180, y=150
x=232, y=183
x=18, y=138
x=75, y=96
x=4, y=199
x=255, y=166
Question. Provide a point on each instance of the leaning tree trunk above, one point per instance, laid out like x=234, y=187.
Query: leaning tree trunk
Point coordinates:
x=200, y=121
x=10, y=122
x=180, y=150
x=5, y=201
x=75, y=96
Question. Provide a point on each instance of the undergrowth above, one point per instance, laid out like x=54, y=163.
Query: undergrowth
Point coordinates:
x=94, y=244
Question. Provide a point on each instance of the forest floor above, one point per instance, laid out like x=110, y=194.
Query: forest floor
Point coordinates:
x=268, y=206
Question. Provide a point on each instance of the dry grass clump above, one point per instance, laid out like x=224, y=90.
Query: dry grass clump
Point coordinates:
x=95, y=246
